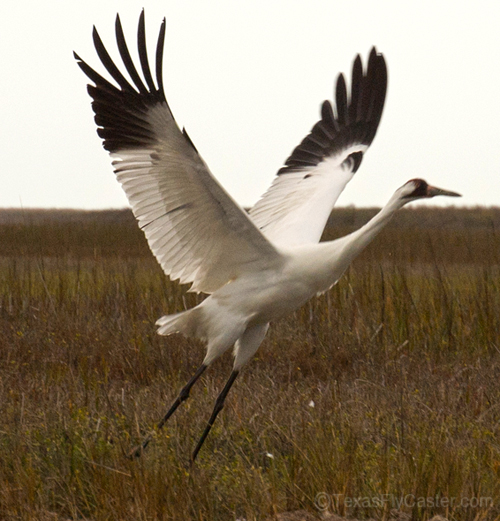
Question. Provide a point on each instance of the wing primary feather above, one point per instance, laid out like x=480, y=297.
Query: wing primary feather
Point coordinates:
x=356, y=89
x=371, y=85
x=327, y=128
x=328, y=116
x=127, y=60
x=159, y=60
x=93, y=75
x=381, y=85
x=312, y=147
x=108, y=62
x=143, y=55
x=341, y=100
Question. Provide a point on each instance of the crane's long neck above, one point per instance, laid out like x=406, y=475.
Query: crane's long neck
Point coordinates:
x=351, y=245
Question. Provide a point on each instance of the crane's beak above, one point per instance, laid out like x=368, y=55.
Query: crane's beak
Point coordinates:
x=432, y=191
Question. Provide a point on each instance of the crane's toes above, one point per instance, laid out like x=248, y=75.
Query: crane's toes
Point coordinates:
x=137, y=451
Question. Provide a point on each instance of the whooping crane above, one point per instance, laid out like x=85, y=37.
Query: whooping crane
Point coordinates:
x=255, y=267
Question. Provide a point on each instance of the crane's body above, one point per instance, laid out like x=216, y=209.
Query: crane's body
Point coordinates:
x=270, y=294
x=256, y=267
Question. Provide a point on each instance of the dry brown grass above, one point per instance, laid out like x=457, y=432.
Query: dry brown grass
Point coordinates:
x=401, y=360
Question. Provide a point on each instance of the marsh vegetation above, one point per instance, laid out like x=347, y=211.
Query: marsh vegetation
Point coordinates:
x=386, y=385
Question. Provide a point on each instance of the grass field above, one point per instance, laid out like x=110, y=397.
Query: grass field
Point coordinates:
x=401, y=361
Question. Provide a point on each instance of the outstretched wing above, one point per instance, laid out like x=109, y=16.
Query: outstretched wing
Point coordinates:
x=295, y=208
x=197, y=232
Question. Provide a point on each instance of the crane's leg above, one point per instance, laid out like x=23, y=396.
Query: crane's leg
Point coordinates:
x=219, y=404
x=245, y=348
x=183, y=395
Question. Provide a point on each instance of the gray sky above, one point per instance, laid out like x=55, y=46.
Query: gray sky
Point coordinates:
x=247, y=79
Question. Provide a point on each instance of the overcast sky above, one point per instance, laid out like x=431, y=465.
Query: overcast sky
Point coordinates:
x=247, y=79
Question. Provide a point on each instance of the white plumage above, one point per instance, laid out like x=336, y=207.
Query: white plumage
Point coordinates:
x=295, y=208
x=255, y=267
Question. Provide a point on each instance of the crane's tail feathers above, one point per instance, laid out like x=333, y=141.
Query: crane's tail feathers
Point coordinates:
x=184, y=322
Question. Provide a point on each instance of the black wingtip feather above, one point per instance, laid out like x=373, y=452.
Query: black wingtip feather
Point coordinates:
x=354, y=120
x=143, y=55
x=127, y=59
x=121, y=111
x=328, y=118
x=341, y=101
x=356, y=88
x=108, y=62
x=159, y=58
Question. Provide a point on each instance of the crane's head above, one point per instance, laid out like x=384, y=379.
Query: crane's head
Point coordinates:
x=416, y=189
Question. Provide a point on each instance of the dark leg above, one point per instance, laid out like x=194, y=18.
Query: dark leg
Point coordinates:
x=219, y=404
x=183, y=395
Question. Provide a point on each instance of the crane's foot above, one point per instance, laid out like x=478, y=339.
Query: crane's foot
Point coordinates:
x=137, y=451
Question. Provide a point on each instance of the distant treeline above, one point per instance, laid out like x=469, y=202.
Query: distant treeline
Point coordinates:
x=419, y=216
x=454, y=234
x=422, y=216
x=36, y=216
